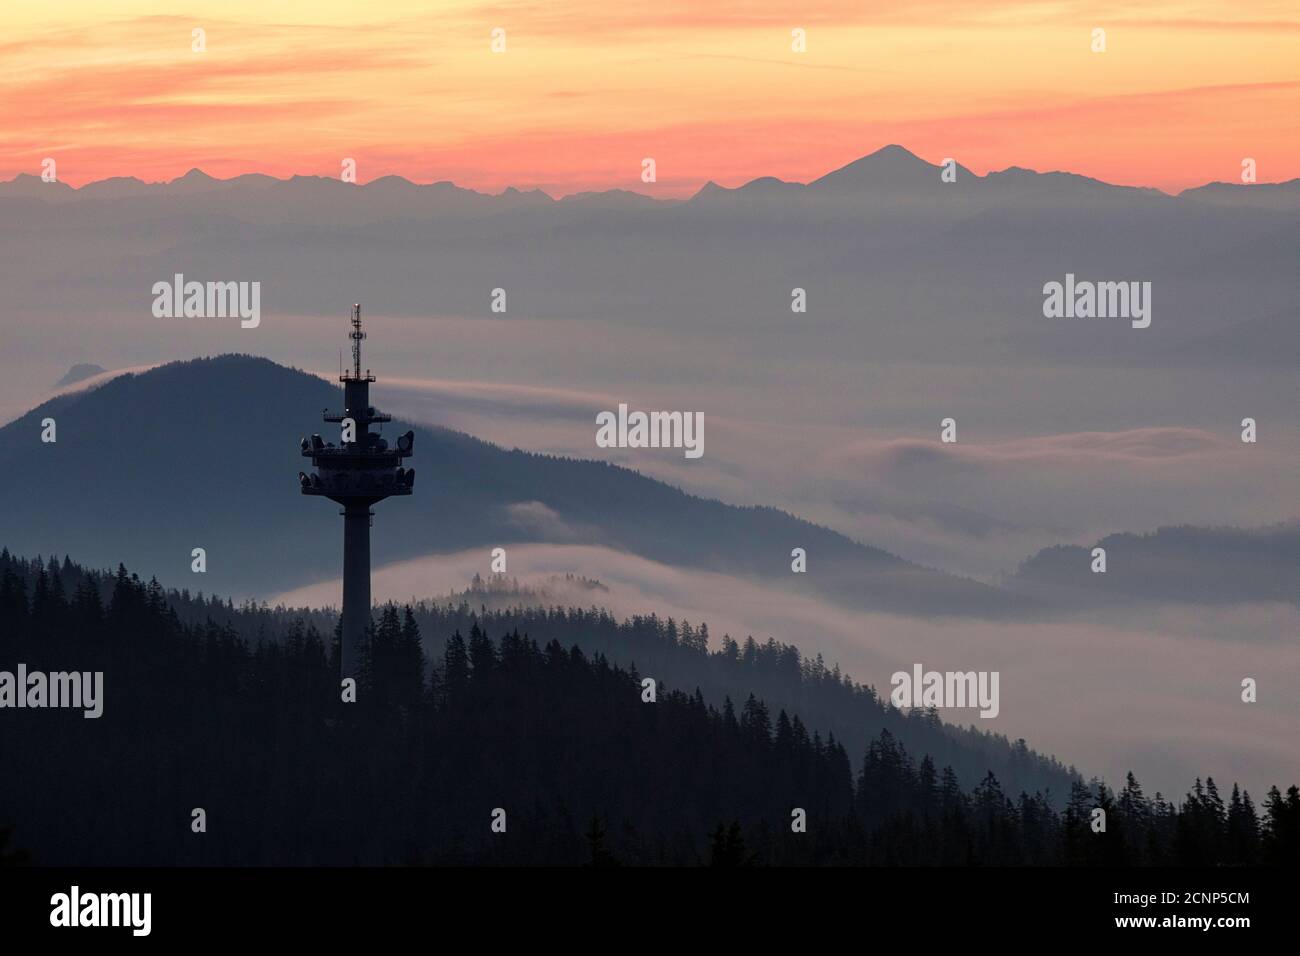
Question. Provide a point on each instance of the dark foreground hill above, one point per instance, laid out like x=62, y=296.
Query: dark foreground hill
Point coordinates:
x=560, y=750
x=676, y=653
x=205, y=454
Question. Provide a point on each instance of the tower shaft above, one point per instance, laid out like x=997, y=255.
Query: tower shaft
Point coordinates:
x=356, y=584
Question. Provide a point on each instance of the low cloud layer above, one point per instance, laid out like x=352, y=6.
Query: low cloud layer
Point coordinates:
x=978, y=507
x=1156, y=692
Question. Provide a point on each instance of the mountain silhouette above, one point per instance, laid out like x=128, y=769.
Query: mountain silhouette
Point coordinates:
x=1193, y=565
x=204, y=453
x=891, y=167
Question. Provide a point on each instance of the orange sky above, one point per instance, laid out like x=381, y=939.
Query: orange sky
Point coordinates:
x=711, y=89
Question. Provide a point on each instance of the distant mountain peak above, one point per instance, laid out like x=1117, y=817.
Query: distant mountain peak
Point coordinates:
x=888, y=167
x=894, y=149
x=391, y=181
x=25, y=184
x=196, y=180
x=195, y=175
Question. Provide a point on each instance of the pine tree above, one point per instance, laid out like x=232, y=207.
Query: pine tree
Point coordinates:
x=482, y=654
x=727, y=847
x=87, y=609
x=455, y=668
x=1281, y=836
x=600, y=856
x=927, y=788
x=1216, y=820
x=1075, y=823
x=10, y=857
x=410, y=662
x=1243, y=830
x=755, y=722
x=729, y=721
x=14, y=612
x=44, y=623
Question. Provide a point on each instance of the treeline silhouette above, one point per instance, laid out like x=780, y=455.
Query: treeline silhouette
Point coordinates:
x=253, y=731
x=676, y=653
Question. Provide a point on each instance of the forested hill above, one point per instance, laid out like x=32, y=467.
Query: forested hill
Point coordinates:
x=557, y=746
x=206, y=453
x=678, y=653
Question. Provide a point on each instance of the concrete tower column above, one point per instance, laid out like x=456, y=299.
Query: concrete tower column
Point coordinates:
x=356, y=584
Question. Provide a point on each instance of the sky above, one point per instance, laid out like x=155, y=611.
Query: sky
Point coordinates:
x=585, y=90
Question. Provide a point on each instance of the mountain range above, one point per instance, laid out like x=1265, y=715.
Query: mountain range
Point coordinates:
x=889, y=170
x=899, y=264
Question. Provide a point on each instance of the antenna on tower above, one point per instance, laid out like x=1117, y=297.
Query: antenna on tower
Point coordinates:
x=356, y=336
